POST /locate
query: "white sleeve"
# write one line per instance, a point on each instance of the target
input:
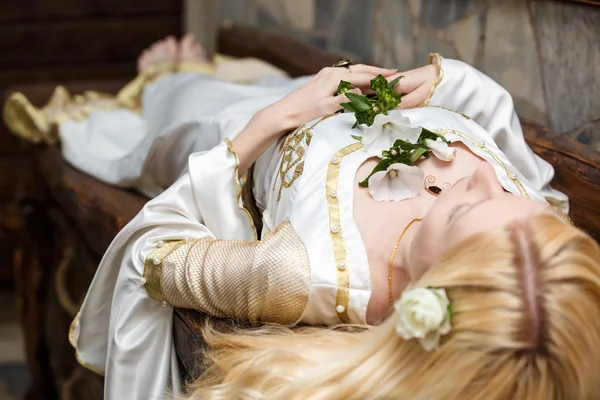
(464, 89)
(121, 331)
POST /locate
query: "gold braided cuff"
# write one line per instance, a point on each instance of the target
(437, 58)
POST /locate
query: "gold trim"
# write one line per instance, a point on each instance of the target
(509, 173)
(291, 145)
(554, 203)
(448, 109)
(337, 237)
(239, 186)
(196, 67)
(74, 344)
(153, 271)
(438, 58)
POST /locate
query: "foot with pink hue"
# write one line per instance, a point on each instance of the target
(191, 51)
(162, 52)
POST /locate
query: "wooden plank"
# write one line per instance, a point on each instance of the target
(577, 173)
(81, 42)
(99, 211)
(21, 11)
(55, 75)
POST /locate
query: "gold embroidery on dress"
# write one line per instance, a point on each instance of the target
(555, 204)
(239, 186)
(293, 150)
(449, 109)
(335, 230)
(510, 174)
(76, 347)
(438, 59)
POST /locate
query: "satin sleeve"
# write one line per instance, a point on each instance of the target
(266, 281)
(119, 324)
(463, 88)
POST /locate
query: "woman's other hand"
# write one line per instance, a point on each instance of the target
(416, 85)
(317, 97)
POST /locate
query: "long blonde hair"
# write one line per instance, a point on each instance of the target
(526, 325)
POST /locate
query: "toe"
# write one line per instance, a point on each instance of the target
(171, 48)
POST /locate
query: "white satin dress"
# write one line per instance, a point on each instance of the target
(194, 245)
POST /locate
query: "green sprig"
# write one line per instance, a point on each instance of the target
(365, 108)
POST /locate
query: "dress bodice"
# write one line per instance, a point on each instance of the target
(312, 184)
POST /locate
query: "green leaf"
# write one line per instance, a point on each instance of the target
(348, 106)
(406, 145)
(378, 83)
(381, 166)
(356, 137)
(392, 84)
(416, 154)
(343, 87)
(427, 134)
(360, 102)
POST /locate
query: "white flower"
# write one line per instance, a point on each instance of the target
(398, 182)
(386, 129)
(423, 313)
(441, 149)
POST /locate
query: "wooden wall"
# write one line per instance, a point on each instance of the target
(83, 43)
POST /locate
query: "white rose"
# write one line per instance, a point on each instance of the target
(423, 313)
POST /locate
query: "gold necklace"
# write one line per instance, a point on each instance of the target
(394, 255)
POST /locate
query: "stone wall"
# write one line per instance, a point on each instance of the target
(547, 54)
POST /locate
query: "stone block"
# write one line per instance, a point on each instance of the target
(325, 13)
(569, 38)
(511, 57)
(351, 30)
(430, 41)
(466, 36)
(441, 13)
(392, 40)
(298, 14)
(237, 10)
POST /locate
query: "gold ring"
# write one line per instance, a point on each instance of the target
(343, 63)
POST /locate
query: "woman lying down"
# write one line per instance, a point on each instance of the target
(420, 233)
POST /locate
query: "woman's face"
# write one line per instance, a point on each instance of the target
(475, 204)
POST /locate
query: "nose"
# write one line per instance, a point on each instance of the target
(484, 179)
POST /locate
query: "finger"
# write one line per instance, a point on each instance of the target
(408, 83)
(360, 80)
(416, 97)
(333, 104)
(370, 69)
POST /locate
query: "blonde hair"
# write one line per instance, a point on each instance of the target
(526, 325)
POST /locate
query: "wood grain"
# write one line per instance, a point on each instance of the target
(81, 42)
(19, 11)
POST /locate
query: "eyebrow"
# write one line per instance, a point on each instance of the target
(469, 206)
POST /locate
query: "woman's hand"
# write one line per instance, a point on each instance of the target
(317, 97)
(416, 85)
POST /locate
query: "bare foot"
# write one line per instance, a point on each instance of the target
(191, 50)
(161, 52)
